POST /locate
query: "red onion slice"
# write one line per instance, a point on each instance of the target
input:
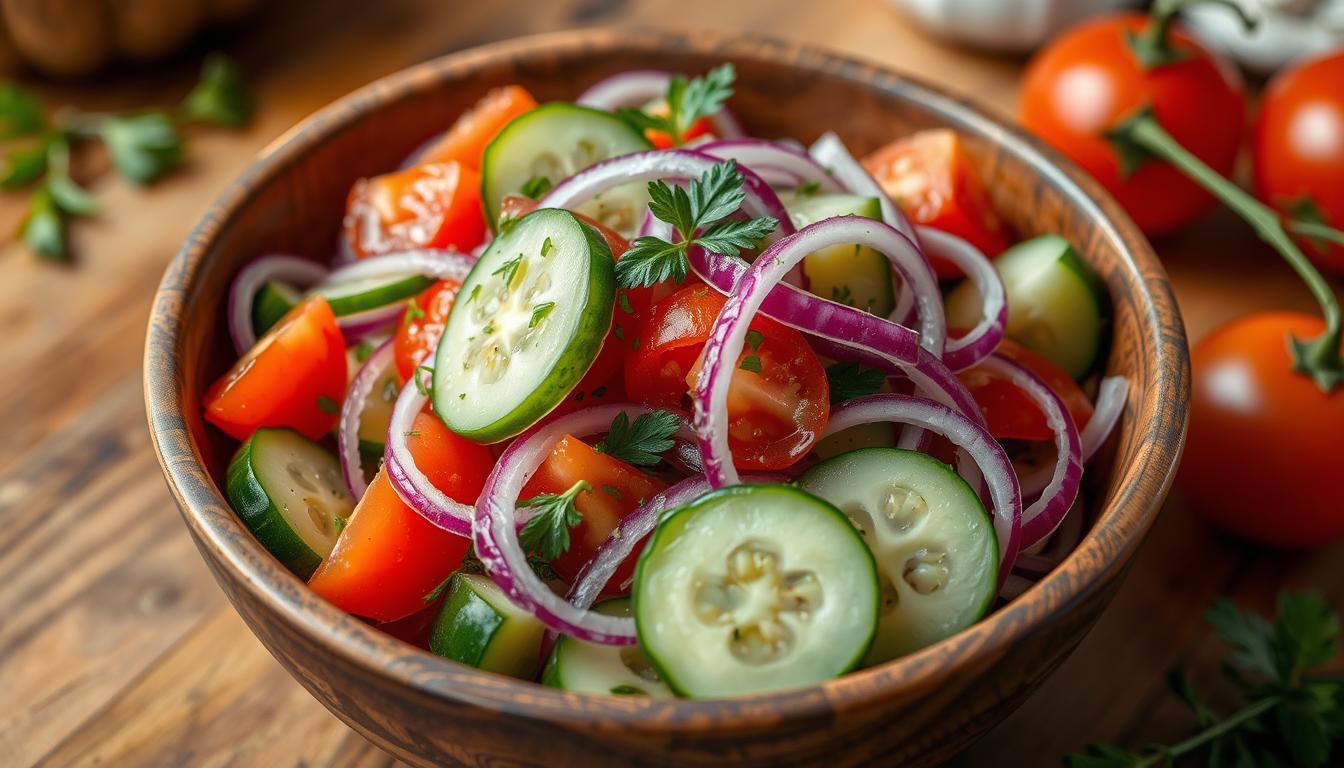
(1058, 546)
(831, 152)
(728, 334)
(974, 441)
(980, 341)
(497, 518)
(1015, 585)
(1106, 413)
(637, 87)
(407, 479)
(1041, 518)
(347, 435)
(301, 272)
(656, 165)
(361, 325)
(445, 264)
(779, 164)
(635, 528)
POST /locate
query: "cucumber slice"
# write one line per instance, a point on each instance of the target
(371, 293)
(556, 141)
(754, 588)
(1056, 303)
(934, 542)
(289, 492)
(618, 670)
(273, 302)
(528, 322)
(377, 415)
(480, 627)
(850, 274)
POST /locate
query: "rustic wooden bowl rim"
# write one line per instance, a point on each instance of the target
(207, 513)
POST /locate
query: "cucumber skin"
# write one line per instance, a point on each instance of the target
(350, 304)
(466, 642)
(489, 206)
(665, 524)
(248, 498)
(584, 345)
(268, 309)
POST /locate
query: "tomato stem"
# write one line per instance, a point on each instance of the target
(1141, 135)
(1153, 47)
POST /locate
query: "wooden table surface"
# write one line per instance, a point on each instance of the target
(117, 648)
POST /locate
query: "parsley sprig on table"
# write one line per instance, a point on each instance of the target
(1291, 718)
(642, 442)
(547, 532)
(687, 101)
(143, 146)
(697, 212)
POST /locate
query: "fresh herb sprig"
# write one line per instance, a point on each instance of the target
(1291, 717)
(686, 101)
(847, 381)
(699, 214)
(143, 145)
(640, 442)
(547, 532)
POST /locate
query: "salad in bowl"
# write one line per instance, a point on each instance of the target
(612, 396)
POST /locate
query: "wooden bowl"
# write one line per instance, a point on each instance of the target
(429, 711)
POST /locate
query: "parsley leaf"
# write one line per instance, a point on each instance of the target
(685, 102)
(535, 187)
(43, 228)
(698, 206)
(642, 442)
(327, 405)
(1290, 718)
(143, 147)
(850, 380)
(219, 98)
(547, 531)
(363, 349)
(20, 112)
(539, 313)
(22, 166)
(751, 363)
(807, 188)
(650, 261)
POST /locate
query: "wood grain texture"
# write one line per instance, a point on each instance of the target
(913, 711)
(102, 684)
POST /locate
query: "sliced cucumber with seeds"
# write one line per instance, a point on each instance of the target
(754, 588)
(936, 551)
(347, 298)
(289, 492)
(526, 325)
(619, 670)
(556, 141)
(273, 302)
(850, 274)
(480, 627)
(1056, 303)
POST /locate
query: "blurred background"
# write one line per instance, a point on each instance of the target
(115, 645)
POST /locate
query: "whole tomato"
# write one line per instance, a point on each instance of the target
(1263, 455)
(1096, 74)
(1298, 150)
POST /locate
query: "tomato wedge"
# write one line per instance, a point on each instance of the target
(929, 175)
(435, 205)
(294, 377)
(465, 142)
(389, 558)
(418, 333)
(617, 490)
(778, 401)
(1010, 412)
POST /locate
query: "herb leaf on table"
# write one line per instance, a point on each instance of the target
(1291, 717)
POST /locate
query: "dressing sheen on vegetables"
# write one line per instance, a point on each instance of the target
(617, 350)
